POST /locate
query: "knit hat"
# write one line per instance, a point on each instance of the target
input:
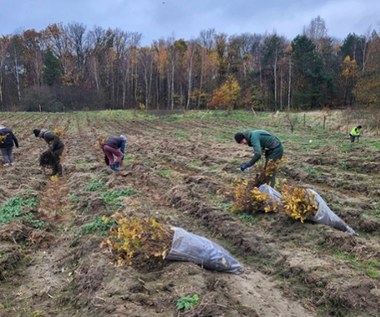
(239, 137)
(36, 132)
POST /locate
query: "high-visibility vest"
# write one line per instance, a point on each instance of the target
(355, 132)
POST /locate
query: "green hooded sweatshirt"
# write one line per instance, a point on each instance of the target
(260, 140)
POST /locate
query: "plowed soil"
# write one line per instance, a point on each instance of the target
(180, 170)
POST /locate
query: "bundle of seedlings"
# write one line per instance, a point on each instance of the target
(139, 242)
(3, 138)
(58, 131)
(248, 194)
(251, 200)
(100, 144)
(306, 204)
(144, 243)
(265, 173)
(298, 203)
(46, 159)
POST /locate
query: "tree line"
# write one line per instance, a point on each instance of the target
(67, 67)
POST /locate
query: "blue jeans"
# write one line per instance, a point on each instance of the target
(7, 153)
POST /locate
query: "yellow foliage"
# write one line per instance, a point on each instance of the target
(54, 178)
(350, 68)
(58, 131)
(101, 141)
(2, 138)
(142, 106)
(247, 196)
(226, 95)
(251, 199)
(137, 241)
(298, 203)
(263, 174)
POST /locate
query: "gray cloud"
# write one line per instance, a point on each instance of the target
(156, 19)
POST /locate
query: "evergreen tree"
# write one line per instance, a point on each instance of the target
(309, 74)
(52, 69)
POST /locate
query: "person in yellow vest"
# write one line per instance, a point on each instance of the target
(355, 133)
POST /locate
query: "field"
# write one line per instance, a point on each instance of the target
(180, 169)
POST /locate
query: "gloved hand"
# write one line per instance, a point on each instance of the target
(244, 166)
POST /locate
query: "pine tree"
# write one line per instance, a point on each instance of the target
(52, 69)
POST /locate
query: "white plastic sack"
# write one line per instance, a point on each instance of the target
(273, 194)
(326, 216)
(193, 248)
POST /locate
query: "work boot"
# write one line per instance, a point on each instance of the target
(115, 166)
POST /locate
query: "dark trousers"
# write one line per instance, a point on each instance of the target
(353, 137)
(56, 164)
(7, 153)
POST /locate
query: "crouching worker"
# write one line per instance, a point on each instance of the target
(114, 149)
(7, 139)
(52, 156)
(355, 134)
(261, 140)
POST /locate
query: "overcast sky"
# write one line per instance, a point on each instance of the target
(156, 19)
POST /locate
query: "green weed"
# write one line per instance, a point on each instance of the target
(111, 196)
(13, 208)
(187, 302)
(95, 186)
(98, 224)
(73, 198)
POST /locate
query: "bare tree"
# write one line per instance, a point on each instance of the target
(4, 43)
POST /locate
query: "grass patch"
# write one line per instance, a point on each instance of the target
(370, 267)
(164, 173)
(247, 218)
(94, 186)
(181, 135)
(312, 171)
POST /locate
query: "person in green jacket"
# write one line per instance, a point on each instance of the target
(260, 141)
(355, 133)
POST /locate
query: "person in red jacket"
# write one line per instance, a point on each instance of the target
(7, 140)
(114, 149)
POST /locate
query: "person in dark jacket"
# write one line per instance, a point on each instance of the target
(7, 140)
(56, 148)
(261, 141)
(114, 149)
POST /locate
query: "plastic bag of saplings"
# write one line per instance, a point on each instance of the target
(190, 247)
(326, 216)
(273, 194)
(272, 198)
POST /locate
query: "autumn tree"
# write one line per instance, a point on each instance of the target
(227, 95)
(350, 74)
(367, 90)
